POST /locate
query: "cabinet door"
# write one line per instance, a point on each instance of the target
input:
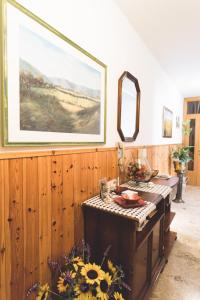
(157, 244)
(141, 265)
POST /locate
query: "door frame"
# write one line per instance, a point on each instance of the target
(193, 177)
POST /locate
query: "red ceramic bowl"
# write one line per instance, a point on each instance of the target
(132, 198)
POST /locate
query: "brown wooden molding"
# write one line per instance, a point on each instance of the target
(150, 146)
(11, 154)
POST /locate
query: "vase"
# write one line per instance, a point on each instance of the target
(139, 170)
(179, 166)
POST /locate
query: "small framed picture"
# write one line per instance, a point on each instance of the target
(103, 186)
(106, 188)
(177, 122)
(167, 122)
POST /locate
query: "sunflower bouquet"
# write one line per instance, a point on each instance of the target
(76, 277)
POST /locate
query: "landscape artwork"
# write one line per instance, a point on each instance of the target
(58, 93)
(167, 122)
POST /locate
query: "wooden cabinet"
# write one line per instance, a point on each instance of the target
(141, 253)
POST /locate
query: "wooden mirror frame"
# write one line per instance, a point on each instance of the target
(137, 118)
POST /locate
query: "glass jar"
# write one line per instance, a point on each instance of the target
(139, 170)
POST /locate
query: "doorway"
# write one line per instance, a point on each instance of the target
(192, 113)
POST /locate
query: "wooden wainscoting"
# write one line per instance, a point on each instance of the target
(40, 207)
(40, 214)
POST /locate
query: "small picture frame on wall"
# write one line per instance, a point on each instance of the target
(177, 122)
(167, 123)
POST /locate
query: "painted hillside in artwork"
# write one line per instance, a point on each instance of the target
(53, 103)
(56, 105)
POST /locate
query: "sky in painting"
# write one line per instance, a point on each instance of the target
(52, 61)
(167, 115)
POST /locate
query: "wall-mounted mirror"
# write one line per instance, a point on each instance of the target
(128, 107)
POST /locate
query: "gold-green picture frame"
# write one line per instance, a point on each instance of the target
(53, 91)
(167, 123)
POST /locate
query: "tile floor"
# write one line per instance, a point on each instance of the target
(180, 279)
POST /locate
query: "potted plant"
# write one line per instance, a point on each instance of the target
(181, 156)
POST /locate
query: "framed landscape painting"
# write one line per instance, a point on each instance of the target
(54, 91)
(167, 122)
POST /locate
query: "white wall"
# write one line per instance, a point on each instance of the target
(100, 27)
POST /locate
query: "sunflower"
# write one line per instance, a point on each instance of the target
(64, 281)
(77, 262)
(103, 288)
(111, 267)
(92, 273)
(83, 291)
(43, 292)
(86, 297)
(118, 296)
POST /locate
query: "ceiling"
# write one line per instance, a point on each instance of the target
(171, 30)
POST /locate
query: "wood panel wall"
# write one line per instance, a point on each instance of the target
(40, 207)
